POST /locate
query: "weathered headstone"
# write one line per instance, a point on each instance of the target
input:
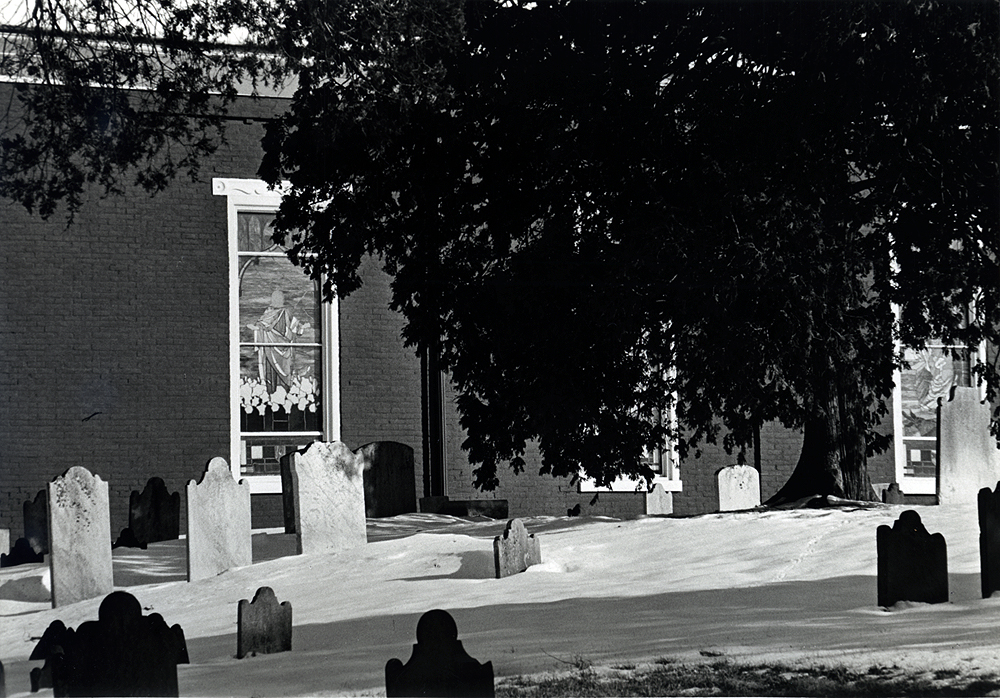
(390, 487)
(439, 665)
(122, 653)
(738, 487)
(989, 540)
(4, 540)
(912, 563)
(154, 514)
(20, 554)
(218, 522)
(263, 626)
(329, 498)
(659, 502)
(79, 537)
(967, 454)
(36, 523)
(893, 495)
(515, 551)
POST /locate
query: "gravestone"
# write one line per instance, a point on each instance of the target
(329, 498)
(79, 537)
(263, 626)
(20, 554)
(3, 682)
(912, 563)
(968, 458)
(4, 540)
(218, 522)
(390, 487)
(515, 551)
(439, 665)
(36, 523)
(893, 495)
(122, 653)
(989, 540)
(738, 487)
(154, 514)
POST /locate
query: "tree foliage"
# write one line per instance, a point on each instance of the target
(596, 212)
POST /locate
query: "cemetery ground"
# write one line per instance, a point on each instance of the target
(759, 602)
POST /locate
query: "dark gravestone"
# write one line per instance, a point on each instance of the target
(287, 492)
(123, 653)
(390, 487)
(155, 514)
(22, 553)
(3, 682)
(989, 540)
(893, 495)
(912, 563)
(439, 665)
(36, 522)
(263, 626)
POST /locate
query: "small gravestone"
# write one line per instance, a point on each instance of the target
(154, 514)
(329, 498)
(390, 487)
(989, 540)
(36, 523)
(439, 665)
(79, 537)
(4, 540)
(738, 487)
(263, 626)
(893, 495)
(21, 554)
(912, 563)
(122, 653)
(218, 522)
(515, 551)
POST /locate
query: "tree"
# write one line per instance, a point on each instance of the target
(589, 208)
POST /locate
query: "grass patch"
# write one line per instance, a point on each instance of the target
(727, 679)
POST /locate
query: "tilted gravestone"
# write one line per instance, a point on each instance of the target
(79, 537)
(154, 515)
(218, 522)
(36, 523)
(439, 665)
(390, 487)
(122, 653)
(20, 554)
(912, 563)
(329, 498)
(738, 487)
(263, 626)
(989, 540)
(516, 550)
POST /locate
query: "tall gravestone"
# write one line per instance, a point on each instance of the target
(912, 563)
(389, 479)
(968, 458)
(439, 665)
(79, 537)
(122, 653)
(738, 487)
(989, 540)
(36, 523)
(263, 626)
(329, 498)
(218, 522)
(154, 514)
(515, 550)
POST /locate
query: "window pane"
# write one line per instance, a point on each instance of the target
(254, 232)
(278, 302)
(280, 389)
(261, 455)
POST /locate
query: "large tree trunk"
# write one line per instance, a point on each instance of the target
(833, 460)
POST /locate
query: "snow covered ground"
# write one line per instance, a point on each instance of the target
(797, 586)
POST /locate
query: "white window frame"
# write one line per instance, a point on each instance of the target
(253, 195)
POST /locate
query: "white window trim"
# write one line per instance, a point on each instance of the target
(254, 195)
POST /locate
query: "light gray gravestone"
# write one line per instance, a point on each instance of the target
(79, 537)
(968, 458)
(329, 498)
(218, 522)
(739, 487)
(515, 551)
(263, 626)
(4, 540)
